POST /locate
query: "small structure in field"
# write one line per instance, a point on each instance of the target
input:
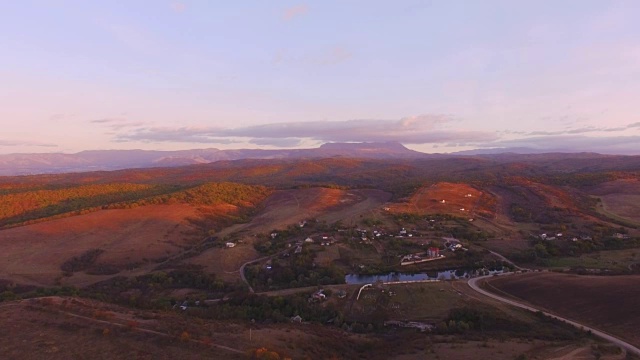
(433, 252)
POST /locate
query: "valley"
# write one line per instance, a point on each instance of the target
(267, 247)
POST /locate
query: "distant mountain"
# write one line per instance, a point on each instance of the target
(25, 164)
(519, 150)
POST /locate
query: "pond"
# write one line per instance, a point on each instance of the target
(429, 275)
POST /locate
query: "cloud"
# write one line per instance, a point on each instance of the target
(572, 143)
(281, 143)
(294, 12)
(12, 143)
(422, 129)
(178, 6)
(201, 135)
(583, 130)
(118, 123)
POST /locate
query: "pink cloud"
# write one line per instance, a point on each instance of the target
(295, 11)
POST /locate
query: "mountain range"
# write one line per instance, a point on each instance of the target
(106, 160)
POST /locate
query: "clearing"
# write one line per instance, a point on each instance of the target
(620, 200)
(459, 200)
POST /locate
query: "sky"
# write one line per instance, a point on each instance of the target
(436, 76)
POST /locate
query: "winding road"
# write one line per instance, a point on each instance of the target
(473, 283)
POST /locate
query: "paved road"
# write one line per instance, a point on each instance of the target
(503, 258)
(473, 283)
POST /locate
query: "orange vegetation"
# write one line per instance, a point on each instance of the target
(34, 253)
(448, 198)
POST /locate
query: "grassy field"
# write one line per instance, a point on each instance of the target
(607, 303)
(612, 259)
(620, 200)
(429, 302)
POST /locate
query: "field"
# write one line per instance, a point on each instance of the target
(70, 328)
(34, 254)
(65, 328)
(619, 260)
(421, 301)
(620, 200)
(459, 200)
(607, 303)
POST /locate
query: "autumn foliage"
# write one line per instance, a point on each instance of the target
(29, 206)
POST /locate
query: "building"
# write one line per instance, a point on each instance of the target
(433, 252)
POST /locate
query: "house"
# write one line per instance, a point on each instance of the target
(273, 235)
(318, 296)
(230, 244)
(433, 252)
(308, 240)
(296, 319)
(621, 236)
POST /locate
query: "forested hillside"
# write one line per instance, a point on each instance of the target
(27, 206)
